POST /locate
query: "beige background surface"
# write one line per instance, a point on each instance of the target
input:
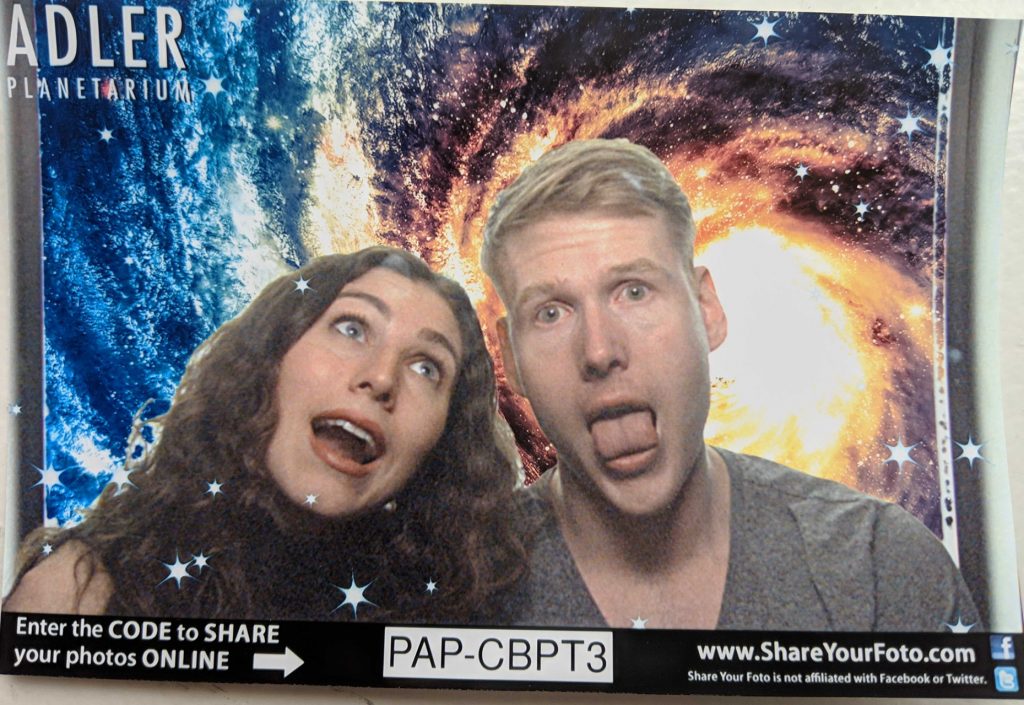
(44, 691)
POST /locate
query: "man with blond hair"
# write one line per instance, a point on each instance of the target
(608, 329)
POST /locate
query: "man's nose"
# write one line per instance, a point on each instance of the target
(603, 343)
(378, 378)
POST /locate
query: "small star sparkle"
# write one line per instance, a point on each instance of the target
(106, 135)
(302, 285)
(176, 571)
(959, 627)
(14, 409)
(120, 478)
(353, 596)
(47, 549)
(1012, 48)
(939, 56)
(48, 477)
(431, 586)
(802, 171)
(214, 488)
(909, 124)
(310, 499)
(201, 560)
(862, 209)
(214, 85)
(639, 623)
(765, 30)
(900, 453)
(970, 450)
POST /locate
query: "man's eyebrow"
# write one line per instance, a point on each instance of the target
(432, 336)
(374, 301)
(641, 265)
(534, 291)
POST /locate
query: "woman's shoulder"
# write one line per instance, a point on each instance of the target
(71, 581)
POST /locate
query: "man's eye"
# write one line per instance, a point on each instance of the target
(428, 369)
(549, 314)
(351, 328)
(636, 292)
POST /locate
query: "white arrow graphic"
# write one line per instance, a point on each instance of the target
(286, 662)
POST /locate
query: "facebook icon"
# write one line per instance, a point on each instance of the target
(1002, 647)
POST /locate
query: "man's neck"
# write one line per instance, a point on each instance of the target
(680, 552)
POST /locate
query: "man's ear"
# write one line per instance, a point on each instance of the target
(711, 309)
(508, 359)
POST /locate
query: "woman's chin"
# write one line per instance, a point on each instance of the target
(327, 512)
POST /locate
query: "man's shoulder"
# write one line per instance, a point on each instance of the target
(760, 476)
(875, 566)
(824, 507)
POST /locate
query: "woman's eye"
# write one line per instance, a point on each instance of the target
(428, 369)
(549, 314)
(635, 292)
(351, 328)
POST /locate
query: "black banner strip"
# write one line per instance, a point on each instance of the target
(639, 661)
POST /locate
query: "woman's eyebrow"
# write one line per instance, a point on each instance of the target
(433, 336)
(374, 301)
(427, 334)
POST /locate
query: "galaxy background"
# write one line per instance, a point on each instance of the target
(812, 148)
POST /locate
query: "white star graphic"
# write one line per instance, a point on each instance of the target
(431, 586)
(310, 499)
(120, 478)
(201, 560)
(48, 477)
(959, 627)
(353, 596)
(106, 135)
(939, 56)
(14, 409)
(900, 453)
(909, 124)
(214, 85)
(47, 549)
(765, 30)
(129, 260)
(302, 285)
(236, 15)
(970, 450)
(639, 623)
(176, 571)
(802, 171)
(862, 208)
(1012, 48)
(214, 488)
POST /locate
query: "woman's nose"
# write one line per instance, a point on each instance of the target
(378, 379)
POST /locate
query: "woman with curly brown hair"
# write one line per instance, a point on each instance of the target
(331, 453)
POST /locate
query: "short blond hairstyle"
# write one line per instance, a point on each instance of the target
(607, 176)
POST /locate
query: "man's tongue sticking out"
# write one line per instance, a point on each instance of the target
(624, 435)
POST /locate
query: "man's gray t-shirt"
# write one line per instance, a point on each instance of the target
(804, 554)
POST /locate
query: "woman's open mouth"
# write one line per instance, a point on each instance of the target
(346, 444)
